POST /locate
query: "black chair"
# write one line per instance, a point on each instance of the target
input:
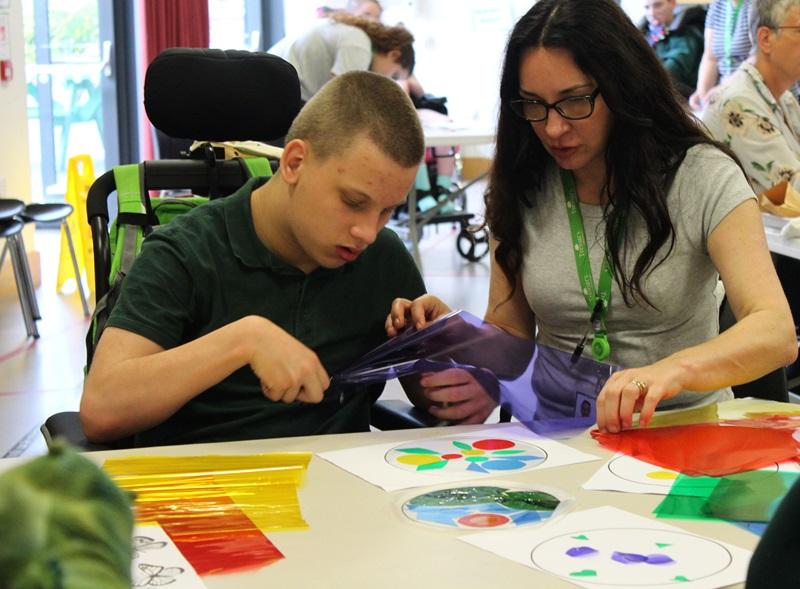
(11, 229)
(57, 213)
(772, 386)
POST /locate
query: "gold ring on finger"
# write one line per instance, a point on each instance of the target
(640, 384)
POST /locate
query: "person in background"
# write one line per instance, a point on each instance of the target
(235, 315)
(368, 9)
(727, 45)
(346, 43)
(677, 38)
(757, 114)
(754, 112)
(607, 200)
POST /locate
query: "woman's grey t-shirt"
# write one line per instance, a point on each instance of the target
(707, 187)
(324, 51)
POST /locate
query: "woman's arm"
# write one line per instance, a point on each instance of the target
(508, 311)
(762, 340)
(707, 75)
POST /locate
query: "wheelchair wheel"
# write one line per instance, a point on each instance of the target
(472, 245)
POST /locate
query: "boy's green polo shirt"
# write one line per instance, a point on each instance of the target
(208, 268)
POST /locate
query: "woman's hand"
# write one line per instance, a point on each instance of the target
(637, 389)
(455, 395)
(417, 313)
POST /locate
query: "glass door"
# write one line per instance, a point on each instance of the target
(71, 89)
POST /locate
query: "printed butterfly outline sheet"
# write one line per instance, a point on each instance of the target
(609, 547)
(473, 455)
(630, 475)
(158, 562)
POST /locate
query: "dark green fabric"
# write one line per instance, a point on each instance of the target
(65, 525)
(681, 48)
(680, 52)
(208, 268)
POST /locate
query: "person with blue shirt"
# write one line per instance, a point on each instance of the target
(727, 44)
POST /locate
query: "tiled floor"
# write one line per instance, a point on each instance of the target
(44, 377)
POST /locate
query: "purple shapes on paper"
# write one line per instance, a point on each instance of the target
(634, 558)
(659, 559)
(581, 551)
(628, 557)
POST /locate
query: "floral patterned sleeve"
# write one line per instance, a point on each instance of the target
(753, 131)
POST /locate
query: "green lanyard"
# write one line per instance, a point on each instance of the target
(597, 299)
(731, 16)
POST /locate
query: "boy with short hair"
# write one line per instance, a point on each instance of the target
(235, 315)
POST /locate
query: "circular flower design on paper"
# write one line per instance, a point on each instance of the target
(621, 557)
(481, 507)
(471, 455)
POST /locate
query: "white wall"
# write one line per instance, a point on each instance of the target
(14, 160)
(15, 179)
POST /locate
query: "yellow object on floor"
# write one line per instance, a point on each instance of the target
(80, 175)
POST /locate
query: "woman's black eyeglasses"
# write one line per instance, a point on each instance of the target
(573, 108)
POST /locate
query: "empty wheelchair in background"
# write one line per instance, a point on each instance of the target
(450, 207)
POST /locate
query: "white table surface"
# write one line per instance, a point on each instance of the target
(357, 539)
(455, 134)
(778, 244)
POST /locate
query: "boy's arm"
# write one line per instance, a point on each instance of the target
(135, 384)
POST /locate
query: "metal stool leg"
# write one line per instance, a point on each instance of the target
(19, 243)
(3, 255)
(77, 270)
(22, 287)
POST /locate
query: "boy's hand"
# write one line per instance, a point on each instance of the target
(418, 313)
(455, 395)
(288, 370)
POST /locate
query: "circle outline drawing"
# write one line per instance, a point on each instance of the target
(726, 552)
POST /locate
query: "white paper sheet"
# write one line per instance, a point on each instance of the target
(517, 450)
(630, 475)
(158, 562)
(609, 547)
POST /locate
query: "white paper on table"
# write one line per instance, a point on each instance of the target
(578, 548)
(631, 475)
(158, 562)
(375, 463)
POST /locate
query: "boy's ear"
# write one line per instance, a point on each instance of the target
(395, 55)
(294, 156)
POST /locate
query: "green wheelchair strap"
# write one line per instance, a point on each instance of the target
(257, 166)
(128, 179)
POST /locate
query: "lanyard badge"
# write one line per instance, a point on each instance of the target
(597, 299)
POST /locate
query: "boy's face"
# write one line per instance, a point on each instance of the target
(659, 12)
(338, 205)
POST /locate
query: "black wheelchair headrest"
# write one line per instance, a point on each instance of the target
(216, 95)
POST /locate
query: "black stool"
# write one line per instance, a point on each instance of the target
(50, 213)
(11, 230)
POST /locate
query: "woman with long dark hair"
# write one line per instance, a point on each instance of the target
(609, 206)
